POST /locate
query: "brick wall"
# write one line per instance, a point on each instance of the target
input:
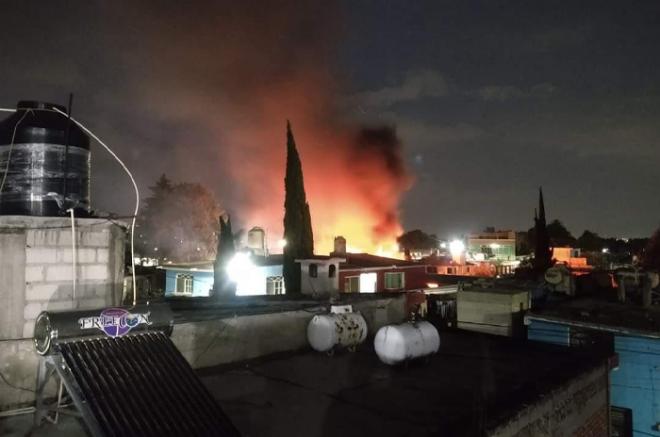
(36, 274)
(579, 407)
(596, 426)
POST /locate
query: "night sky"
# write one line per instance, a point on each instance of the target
(490, 99)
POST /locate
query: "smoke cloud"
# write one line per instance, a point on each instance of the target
(229, 75)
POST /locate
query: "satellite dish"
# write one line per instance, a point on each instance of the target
(554, 276)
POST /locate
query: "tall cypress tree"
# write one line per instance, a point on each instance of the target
(542, 251)
(297, 220)
(222, 286)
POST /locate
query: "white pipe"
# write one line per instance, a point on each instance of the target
(137, 196)
(17, 412)
(128, 172)
(74, 260)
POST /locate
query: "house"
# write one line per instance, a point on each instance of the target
(630, 330)
(320, 274)
(360, 273)
(570, 257)
(365, 273)
(496, 245)
(351, 273)
(448, 266)
(196, 279)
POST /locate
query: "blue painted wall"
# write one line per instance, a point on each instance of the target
(202, 282)
(635, 384)
(549, 333)
(249, 285)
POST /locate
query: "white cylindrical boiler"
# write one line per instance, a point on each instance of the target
(327, 331)
(395, 344)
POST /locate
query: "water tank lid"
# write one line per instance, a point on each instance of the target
(41, 126)
(34, 104)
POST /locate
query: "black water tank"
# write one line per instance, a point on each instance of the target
(35, 176)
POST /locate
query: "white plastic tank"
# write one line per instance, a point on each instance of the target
(395, 344)
(327, 331)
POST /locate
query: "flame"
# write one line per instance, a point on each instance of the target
(234, 74)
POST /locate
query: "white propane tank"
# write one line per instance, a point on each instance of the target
(326, 331)
(395, 344)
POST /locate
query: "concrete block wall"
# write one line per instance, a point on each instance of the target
(491, 311)
(579, 407)
(221, 341)
(36, 274)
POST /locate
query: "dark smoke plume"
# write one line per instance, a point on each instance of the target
(228, 75)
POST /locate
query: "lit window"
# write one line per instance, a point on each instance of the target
(394, 281)
(313, 270)
(184, 283)
(368, 282)
(332, 271)
(352, 284)
(274, 285)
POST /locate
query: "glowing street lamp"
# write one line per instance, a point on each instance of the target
(456, 248)
(240, 267)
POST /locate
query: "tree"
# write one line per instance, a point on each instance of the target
(222, 285)
(416, 240)
(590, 241)
(542, 252)
(559, 235)
(651, 256)
(297, 219)
(178, 222)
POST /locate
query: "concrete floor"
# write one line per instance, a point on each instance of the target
(19, 426)
(475, 381)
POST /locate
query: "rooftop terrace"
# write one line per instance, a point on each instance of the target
(603, 314)
(475, 382)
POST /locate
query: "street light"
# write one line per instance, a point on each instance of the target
(240, 267)
(456, 248)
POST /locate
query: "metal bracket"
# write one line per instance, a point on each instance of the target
(51, 366)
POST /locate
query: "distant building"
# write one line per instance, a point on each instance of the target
(570, 257)
(447, 266)
(365, 273)
(320, 275)
(495, 245)
(256, 241)
(350, 273)
(196, 279)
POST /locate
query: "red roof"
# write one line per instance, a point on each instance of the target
(365, 261)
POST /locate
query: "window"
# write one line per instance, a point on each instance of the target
(332, 271)
(274, 285)
(313, 270)
(450, 270)
(621, 420)
(184, 283)
(368, 282)
(352, 284)
(394, 281)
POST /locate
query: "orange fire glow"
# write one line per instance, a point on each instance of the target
(237, 74)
